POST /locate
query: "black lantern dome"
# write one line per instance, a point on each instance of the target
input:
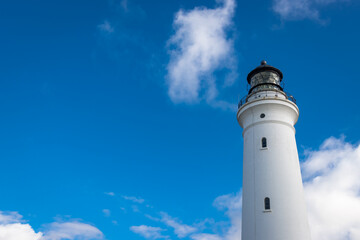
(264, 77)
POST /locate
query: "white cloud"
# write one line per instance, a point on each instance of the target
(331, 177)
(332, 188)
(10, 217)
(232, 205)
(110, 193)
(106, 212)
(180, 229)
(18, 231)
(133, 199)
(148, 231)
(124, 5)
(12, 228)
(199, 47)
(106, 27)
(152, 218)
(135, 208)
(205, 236)
(300, 9)
(72, 230)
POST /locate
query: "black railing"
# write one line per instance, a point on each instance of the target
(290, 97)
(245, 99)
(242, 101)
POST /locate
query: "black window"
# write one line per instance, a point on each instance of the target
(267, 203)
(263, 143)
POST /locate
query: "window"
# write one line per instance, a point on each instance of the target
(267, 203)
(263, 143)
(262, 115)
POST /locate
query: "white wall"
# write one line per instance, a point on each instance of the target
(273, 172)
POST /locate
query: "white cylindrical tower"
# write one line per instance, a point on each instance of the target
(273, 202)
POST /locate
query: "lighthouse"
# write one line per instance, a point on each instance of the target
(273, 200)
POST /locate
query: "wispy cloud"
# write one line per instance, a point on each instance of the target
(232, 205)
(110, 193)
(181, 230)
(332, 187)
(120, 34)
(133, 199)
(71, 230)
(10, 217)
(200, 47)
(106, 27)
(124, 5)
(300, 9)
(205, 236)
(106, 212)
(148, 232)
(13, 227)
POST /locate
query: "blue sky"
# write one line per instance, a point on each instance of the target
(118, 117)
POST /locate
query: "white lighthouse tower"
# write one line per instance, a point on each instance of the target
(273, 201)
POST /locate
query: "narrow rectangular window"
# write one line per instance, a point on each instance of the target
(267, 203)
(263, 143)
